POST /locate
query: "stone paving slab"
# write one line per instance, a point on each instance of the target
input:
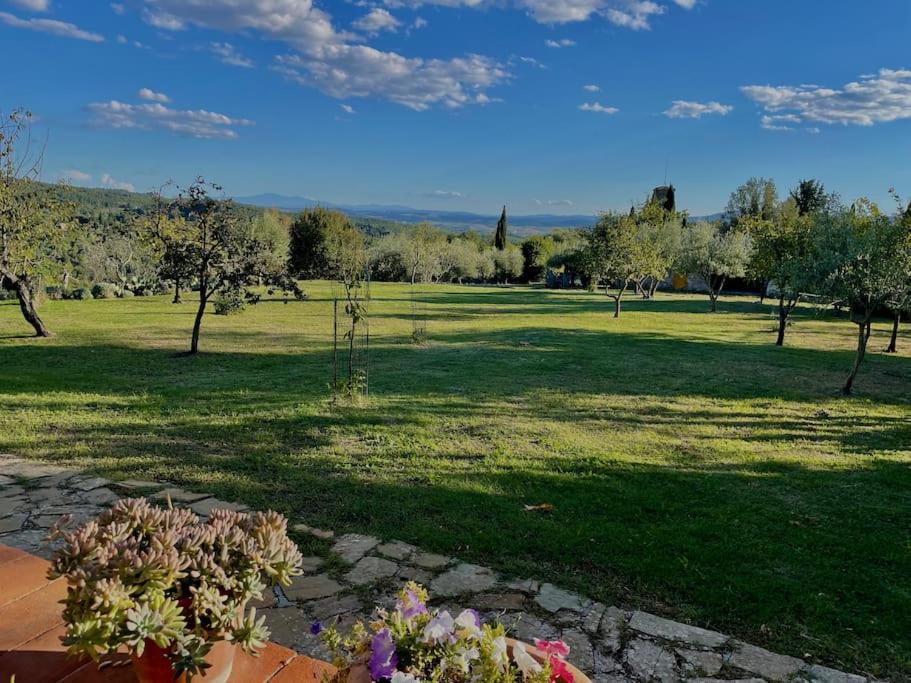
(608, 643)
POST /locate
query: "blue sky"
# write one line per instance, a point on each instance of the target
(549, 106)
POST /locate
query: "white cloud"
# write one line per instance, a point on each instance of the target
(73, 175)
(377, 20)
(52, 26)
(114, 184)
(228, 54)
(559, 202)
(347, 108)
(874, 98)
(333, 60)
(33, 5)
(685, 109)
(419, 22)
(591, 88)
(634, 14)
(197, 123)
(598, 108)
(152, 96)
(445, 194)
(557, 44)
(118, 8)
(345, 71)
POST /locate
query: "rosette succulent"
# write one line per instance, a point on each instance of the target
(412, 643)
(139, 574)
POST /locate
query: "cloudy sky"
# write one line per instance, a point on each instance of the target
(557, 106)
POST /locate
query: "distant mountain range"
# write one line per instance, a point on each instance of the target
(452, 220)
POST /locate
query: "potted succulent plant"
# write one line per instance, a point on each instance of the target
(171, 590)
(412, 643)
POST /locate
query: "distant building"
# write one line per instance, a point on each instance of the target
(665, 195)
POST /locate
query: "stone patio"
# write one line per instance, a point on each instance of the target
(612, 645)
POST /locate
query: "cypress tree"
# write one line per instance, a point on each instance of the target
(499, 240)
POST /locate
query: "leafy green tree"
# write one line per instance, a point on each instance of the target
(33, 225)
(307, 257)
(424, 257)
(612, 255)
(508, 263)
(810, 197)
(782, 256)
(757, 197)
(499, 240)
(535, 253)
(208, 239)
(900, 300)
(715, 254)
(658, 236)
(860, 255)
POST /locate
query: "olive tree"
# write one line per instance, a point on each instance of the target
(658, 235)
(860, 255)
(33, 224)
(781, 256)
(205, 237)
(715, 254)
(612, 255)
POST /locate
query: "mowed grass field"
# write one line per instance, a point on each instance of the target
(695, 469)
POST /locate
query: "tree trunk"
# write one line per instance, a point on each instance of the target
(715, 293)
(29, 312)
(194, 343)
(782, 322)
(868, 329)
(858, 359)
(617, 297)
(892, 348)
(177, 298)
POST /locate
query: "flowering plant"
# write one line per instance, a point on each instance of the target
(139, 574)
(412, 644)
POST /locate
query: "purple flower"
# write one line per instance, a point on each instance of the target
(316, 628)
(411, 606)
(383, 659)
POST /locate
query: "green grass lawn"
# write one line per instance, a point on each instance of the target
(696, 470)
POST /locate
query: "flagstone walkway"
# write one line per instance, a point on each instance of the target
(610, 644)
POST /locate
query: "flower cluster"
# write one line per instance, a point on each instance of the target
(139, 574)
(412, 643)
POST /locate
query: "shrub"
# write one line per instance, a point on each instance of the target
(104, 290)
(230, 303)
(55, 292)
(127, 294)
(82, 294)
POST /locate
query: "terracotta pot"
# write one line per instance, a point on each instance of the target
(155, 667)
(359, 674)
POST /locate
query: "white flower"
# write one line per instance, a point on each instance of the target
(464, 658)
(467, 622)
(526, 663)
(402, 677)
(498, 653)
(439, 628)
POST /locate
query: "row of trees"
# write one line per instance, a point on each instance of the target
(855, 257)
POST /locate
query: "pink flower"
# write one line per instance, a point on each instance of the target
(559, 671)
(552, 647)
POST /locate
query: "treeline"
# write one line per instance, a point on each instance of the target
(424, 253)
(856, 257)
